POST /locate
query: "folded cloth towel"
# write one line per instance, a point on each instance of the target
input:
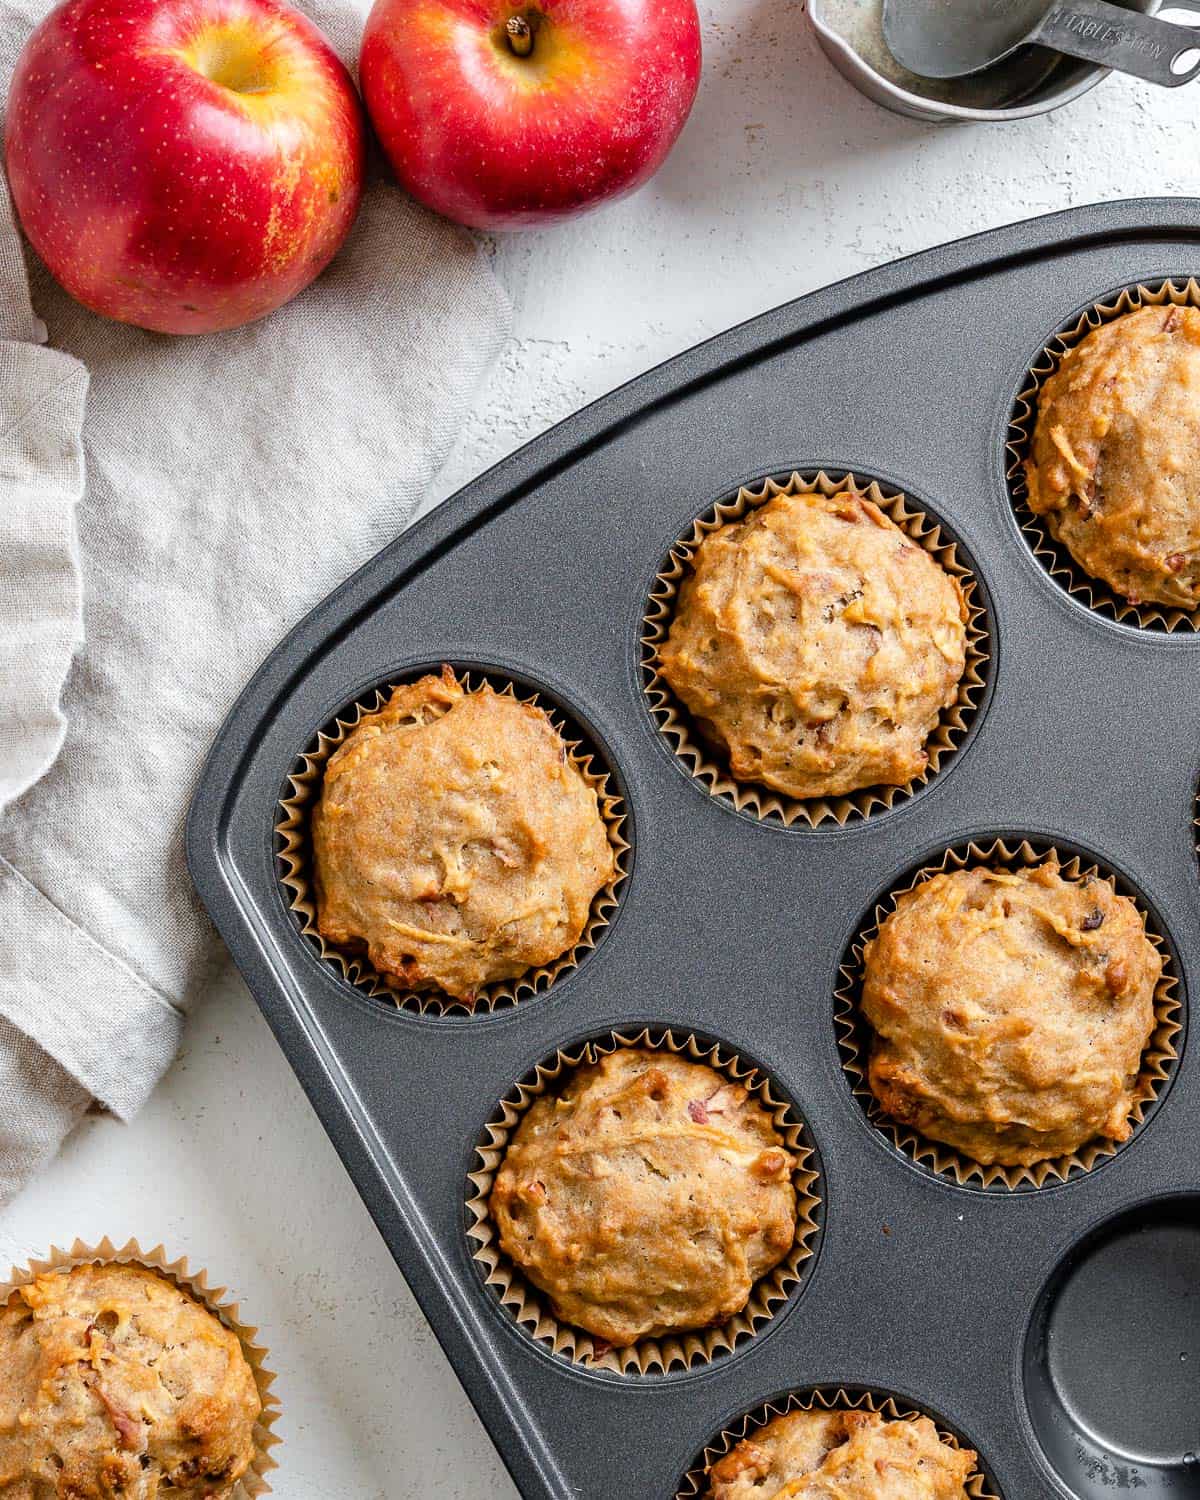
(231, 481)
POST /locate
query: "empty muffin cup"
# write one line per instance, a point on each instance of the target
(194, 1284)
(1121, 1298)
(1052, 554)
(854, 1032)
(679, 1350)
(704, 758)
(295, 854)
(695, 1484)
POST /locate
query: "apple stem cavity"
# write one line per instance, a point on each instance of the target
(519, 35)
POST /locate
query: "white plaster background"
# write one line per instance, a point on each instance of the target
(784, 180)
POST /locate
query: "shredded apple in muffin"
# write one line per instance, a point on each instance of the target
(843, 1455)
(648, 1196)
(1010, 1011)
(1114, 463)
(114, 1382)
(455, 840)
(816, 646)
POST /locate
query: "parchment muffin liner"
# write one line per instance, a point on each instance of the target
(695, 1485)
(530, 1309)
(703, 760)
(854, 1032)
(1196, 822)
(1053, 556)
(294, 850)
(196, 1284)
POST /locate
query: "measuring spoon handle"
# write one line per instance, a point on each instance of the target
(1124, 39)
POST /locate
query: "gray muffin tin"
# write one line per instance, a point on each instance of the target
(1058, 1330)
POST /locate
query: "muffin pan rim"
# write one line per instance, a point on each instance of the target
(229, 852)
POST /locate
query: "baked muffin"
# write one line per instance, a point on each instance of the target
(843, 1455)
(114, 1382)
(1010, 1010)
(816, 646)
(647, 1198)
(1114, 463)
(455, 840)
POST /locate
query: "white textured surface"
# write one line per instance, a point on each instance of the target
(784, 180)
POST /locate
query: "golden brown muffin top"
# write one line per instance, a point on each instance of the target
(455, 839)
(843, 1455)
(1010, 1009)
(115, 1383)
(817, 646)
(648, 1196)
(1114, 464)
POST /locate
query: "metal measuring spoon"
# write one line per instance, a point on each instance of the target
(953, 38)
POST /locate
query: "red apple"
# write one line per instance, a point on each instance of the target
(185, 165)
(503, 115)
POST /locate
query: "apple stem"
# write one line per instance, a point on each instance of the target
(520, 35)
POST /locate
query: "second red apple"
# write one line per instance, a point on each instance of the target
(504, 117)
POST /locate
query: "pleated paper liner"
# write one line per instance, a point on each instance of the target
(704, 761)
(1196, 822)
(695, 1483)
(854, 1031)
(294, 848)
(195, 1283)
(1052, 555)
(530, 1309)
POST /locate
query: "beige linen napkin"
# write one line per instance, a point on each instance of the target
(231, 481)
